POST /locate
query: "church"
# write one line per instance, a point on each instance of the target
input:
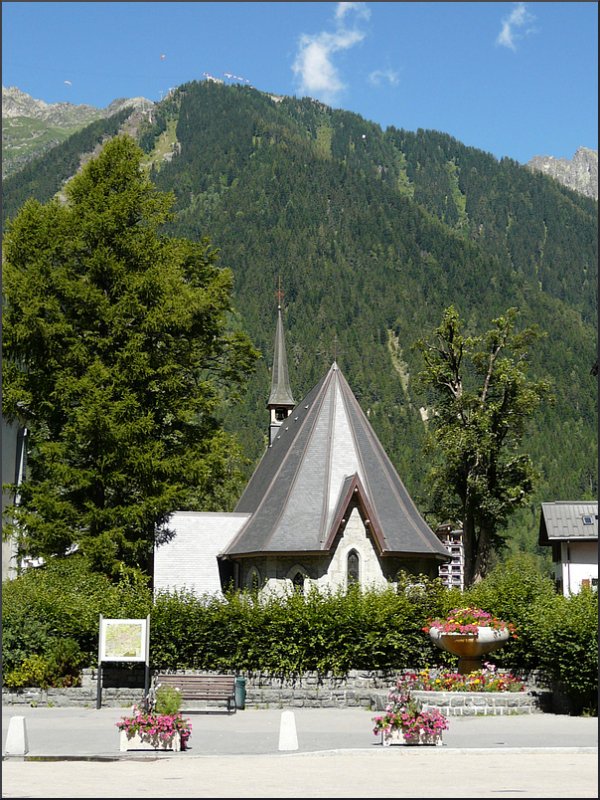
(324, 508)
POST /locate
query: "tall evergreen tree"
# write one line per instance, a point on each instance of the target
(481, 401)
(119, 353)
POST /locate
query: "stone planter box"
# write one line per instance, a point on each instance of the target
(397, 738)
(145, 742)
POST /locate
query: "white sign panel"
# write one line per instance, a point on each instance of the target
(123, 640)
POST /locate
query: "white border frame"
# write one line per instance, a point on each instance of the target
(144, 640)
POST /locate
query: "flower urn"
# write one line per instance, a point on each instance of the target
(470, 647)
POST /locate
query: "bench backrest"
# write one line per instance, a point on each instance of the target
(200, 685)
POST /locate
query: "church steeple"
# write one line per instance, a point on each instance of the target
(281, 402)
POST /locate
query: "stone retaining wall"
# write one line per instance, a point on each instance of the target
(361, 689)
(463, 704)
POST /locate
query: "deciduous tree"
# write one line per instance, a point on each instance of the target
(479, 403)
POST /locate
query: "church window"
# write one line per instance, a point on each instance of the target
(280, 414)
(298, 582)
(353, 567)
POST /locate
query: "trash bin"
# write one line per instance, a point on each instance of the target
(240, 692)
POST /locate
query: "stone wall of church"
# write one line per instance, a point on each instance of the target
(275, 574)
(354, 537)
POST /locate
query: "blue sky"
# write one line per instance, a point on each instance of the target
(513, 79)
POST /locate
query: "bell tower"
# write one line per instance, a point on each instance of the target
(281, 402)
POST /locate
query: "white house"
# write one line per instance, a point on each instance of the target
(571, 529)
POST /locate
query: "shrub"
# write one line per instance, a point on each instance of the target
(512, 591)
(50, 626)
(565, 640)
(167, 700)
(33, 671)
(62, 601)
(65, 660)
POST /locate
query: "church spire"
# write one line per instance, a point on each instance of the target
(280, 402)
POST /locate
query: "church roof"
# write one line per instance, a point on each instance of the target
(281, 393)
(324, 455)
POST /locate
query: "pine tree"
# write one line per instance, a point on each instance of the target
(119, 355)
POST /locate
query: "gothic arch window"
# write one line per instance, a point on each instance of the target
(253, 579)
(297, 575)
(298, 582)
(352, 568)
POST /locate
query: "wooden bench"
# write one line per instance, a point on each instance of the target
(201, 687)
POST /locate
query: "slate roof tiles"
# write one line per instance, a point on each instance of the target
(325, 446)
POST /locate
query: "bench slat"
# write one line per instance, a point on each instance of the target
(201, 687)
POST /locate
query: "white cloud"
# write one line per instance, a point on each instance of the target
(314, 68)
(512, 25)
(378, 76)
(361, 10)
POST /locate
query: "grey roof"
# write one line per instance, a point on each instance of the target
(563, 520)
(325, 452)
(281, 394)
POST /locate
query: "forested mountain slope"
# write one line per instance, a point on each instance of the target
(373, 233)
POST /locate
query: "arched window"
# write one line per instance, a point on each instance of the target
(352, 567)
(298, 583)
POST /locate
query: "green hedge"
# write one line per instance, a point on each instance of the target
(50, 627)
(50, 619)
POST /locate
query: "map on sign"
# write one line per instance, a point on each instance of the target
(123, 639)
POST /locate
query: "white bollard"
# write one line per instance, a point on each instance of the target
(288, 739)
(16, 738)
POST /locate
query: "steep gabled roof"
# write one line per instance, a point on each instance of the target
(281, 393)
(325, 456)
(561, 521)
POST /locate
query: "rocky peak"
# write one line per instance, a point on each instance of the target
(579, 173)
(16, 103)
(30, 127)
(137, 103)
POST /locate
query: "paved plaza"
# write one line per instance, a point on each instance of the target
(74, 752)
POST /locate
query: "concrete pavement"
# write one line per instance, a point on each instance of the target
(245, 755)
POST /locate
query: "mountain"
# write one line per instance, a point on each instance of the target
(373, 233)
(31, 127)
(579, 173)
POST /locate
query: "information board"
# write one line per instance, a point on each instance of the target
(123, 640)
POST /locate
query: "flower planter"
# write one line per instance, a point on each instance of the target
(395, 737)
(145, 730)
(147, 742)
(470, 647)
